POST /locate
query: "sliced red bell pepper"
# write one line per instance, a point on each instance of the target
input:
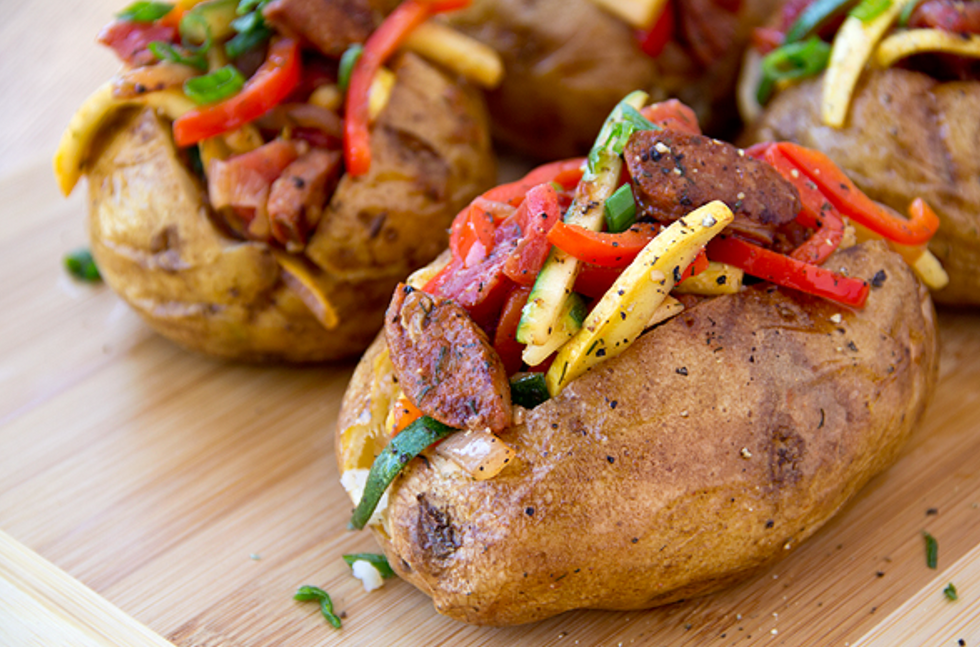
(674, 115)
(602, 248)
(565, 173)
(270, 84)
(653, 40)
(471, 235)
(379, 47)
(854, 204)
(817, 212)
(505, 338)
(788, 272)
(536, 216)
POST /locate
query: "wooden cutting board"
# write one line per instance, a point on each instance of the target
(145, 490)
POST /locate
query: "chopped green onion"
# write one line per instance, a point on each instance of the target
(145, 11)
(528, 389)
(903, 18)
(244, 41)
(82, 266)
(792, 61)
(950, 593)
(246, 6)
(868, 10)
(380, 562)
(932, 550)
(347, 62)
(164, 51)
(248, 22)
(316, 594)
(214, 87)
(408, 444)
(617, 133)
(620, 209)
(815, 17)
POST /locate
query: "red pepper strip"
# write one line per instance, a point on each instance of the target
(851, 202)
(565, 173)
(505, 338)
(674, 115)
(789, 272)
(601, 248)
(817, 213)
(698, 265)
(594, 281)
(471, 236)
(497, 211)
(379, 47)
(536, 216)
(273, 81)
(653, 41)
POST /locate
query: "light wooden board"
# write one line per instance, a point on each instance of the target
(196, 496)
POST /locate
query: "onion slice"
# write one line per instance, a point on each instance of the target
(480, 453)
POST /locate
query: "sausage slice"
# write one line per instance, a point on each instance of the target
(444, 362)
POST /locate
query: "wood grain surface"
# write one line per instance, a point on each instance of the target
(195, 496)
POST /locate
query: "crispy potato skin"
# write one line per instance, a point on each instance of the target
(567, 63)
(907, 136)
(720, 440)
(154, 240)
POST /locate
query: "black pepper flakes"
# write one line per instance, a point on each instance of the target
(878, 279)
(682, 371)
(611, 459)
(529, 511)
(613, 404)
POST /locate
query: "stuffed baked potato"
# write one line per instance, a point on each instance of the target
(567, 62)
(667, 446)
(255, 241)
(909, 128)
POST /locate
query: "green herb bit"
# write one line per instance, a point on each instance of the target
(790, 62)
(213, 87)
(932, 550)
(347, 62)
(145, 11)
(316, 594)
(246, 6)
(528, 389)
(620, 209)
(408, 444)
(815, 17)
(868, 10)
(245, 41)
(950, 593)
(164, 51)
(380, 562)
(82, 266)
(903, 18)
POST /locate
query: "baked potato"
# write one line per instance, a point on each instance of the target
(688, 434)
(567, 63)
(257, 243)
(908, 130)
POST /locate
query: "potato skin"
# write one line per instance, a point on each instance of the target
(720, 440)
(907, 136)
(156, 245)
(568, 62)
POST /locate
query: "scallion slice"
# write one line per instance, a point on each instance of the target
(316, 594)
(214, 87)
(932, 550)
(380, 562)
(145, 11)
(792, 61)
(950, 593)
(347, 62)
(868, 10)
(816, 16)
(903, 18)
(408, 444)
(82, 266)
(620, 209)
(167, 52)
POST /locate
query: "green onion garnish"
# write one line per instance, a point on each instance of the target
(380, 562)
(251, 27)
(408, 444)
(347, 62)
(214, 87)
(932, 550)
(164, 51)
(82, 266)
(903, 18)
(244, 41)
(528, 389)
(145, 11)
(868, 10)
(620, 209)
(316, 594)
(792, 61)
(815, 17)
(950, 593)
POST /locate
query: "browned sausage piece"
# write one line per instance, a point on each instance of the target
(331, 26)
(675, 172)
(297, 197)
(444, 362)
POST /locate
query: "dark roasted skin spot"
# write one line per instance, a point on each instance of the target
(437, 535)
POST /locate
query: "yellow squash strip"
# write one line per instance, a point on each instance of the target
(916, 41)
(464, 55)
(327, 96)
(628, 306)
(96, 110)
(853, 46)
(301, 278)
(670, 307)
(380, 92)
(638, 13)
(718, 279)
